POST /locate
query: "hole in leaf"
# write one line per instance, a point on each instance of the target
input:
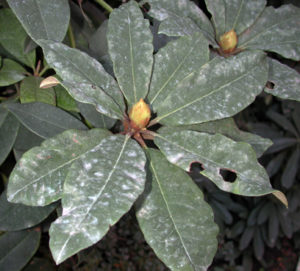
(146, 7)
(270, 85)
(196, 167)
(228, 175)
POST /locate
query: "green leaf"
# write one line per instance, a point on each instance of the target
(43, 19)
(176, 221)
(237, 14)
(43, 119)
(217, 152)
(173, 63)
(9, 127)
(30, 91)
(91, 84)
(214, 92)
(286, 81)
(13, 37)
(98, 41)
(38, 178)
(132, 60)
(290, 171)
(97, 119)
(64, 100)
(276, 30)
(11, 72)
(17, 248)
(99, 189)
(172, 11)
(227, 127)
(246, 238)
(14, 217)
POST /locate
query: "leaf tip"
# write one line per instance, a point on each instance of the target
(279, 195)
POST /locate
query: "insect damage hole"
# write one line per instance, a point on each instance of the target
(228, 175)
(196, 167)
(270, 85)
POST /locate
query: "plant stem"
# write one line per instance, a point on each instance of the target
(44, 70)
(71, 36)
(106, 6)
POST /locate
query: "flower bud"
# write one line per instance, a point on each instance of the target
(228, 41)
(140, 114)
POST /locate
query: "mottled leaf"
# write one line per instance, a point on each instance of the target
(14, 217)
(68, 64)
(130, 48)
(173, 63)
(17, 248)
(173, 11)
(97, 119)
(99, 189)
(234, 14)
(176, 221)
(64, 100)
(30, 91)
(9, 127)
(38, 178)
(276, 30)
(43, 19)
(214, 92)
(13, 37)
(285, 79)
(11, 72)
(43, 119)
(217, 152)
(228, 128)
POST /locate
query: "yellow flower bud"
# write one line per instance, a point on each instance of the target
(140, 114)
(228, 41)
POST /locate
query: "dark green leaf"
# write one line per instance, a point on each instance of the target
(258, 245)
(64, 100)
(237, 229)
(43, 19)
(273, 226)
(98, 41)
(39, 176)
(237, 15)
(173, 63)
(133, 59)
(276, 30)
(177, 10)
(291, 168)
(286, 81)
(43, 119)
(252, 218)
(14, 217)
(216, 152)
(9, 127)
(246, 238)
(30, 91)
(296, 119)
(91, 84)
(285, 222)
(13, 37)
(17, 248)
(11, 72)
(94, 117)
(275, 164)
(222, 211)
(264, 213)
(280, 144)
(228, 128)
(100, 187)
(214, 92)
(177, 223)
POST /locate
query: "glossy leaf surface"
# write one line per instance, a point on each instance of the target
(43, 19)
(285, 79)
(214, 92)
(11, 72)
(100, 188)
(217, 152)
(227, 127)
(89, 85)
(14, 217)
(132, 61)
(17, 248)
(234, 14)
(9, 127)
(30, 91)
(176, 221)
(38, 177)
(173, 63)
(43, 119)
(276, 30)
